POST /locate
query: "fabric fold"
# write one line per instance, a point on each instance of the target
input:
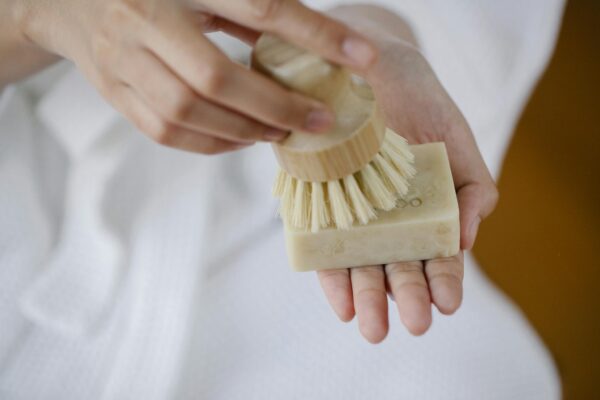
(75, 288)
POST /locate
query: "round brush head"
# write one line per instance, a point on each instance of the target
(338, 177)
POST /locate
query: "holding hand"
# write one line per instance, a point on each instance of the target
(416, 106)
(151, 60)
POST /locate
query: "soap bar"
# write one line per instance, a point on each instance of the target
(425, 225)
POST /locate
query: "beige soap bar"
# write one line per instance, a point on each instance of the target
(424, 226)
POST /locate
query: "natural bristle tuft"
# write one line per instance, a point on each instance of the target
(319, 210)
(391, 177)
(279, 185)
(396, 149)
(286, 204)
(301, 210)
(361, 207)
(340, 209)
(339, 203)
(375, 189)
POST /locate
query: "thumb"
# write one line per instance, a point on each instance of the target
(475, 201)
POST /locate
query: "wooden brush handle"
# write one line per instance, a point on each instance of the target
(359, 129)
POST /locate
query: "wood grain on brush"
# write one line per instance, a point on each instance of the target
(359, 129)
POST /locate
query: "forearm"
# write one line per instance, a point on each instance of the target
(19, 57)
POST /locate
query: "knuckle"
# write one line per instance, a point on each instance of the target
(137, 6)
(213, 147)
(212, 150)
(370, 269)
(181, 106)
(415, 289)
(141, 125)
(494, 195)
(291, 113)
(107, 39)
(164, 133)
(332, 275)
(118, 13)
(266, 10)
(126, 10)
(214, 79)
(106, 87)
(124, 15)
(370, 291)
(446, 266)
(248, 131)
(415, 266)
(102, 48)
(322, 29)
(446, 277)
(373, 271)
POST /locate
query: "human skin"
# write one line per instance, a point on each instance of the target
(151, 61)
(416, 105)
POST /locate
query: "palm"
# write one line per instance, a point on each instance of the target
(417, 107)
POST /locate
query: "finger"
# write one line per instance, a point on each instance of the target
(338, 290)
(370, 302)
(195, 142)
(213, 23)
(444, 277)
(475, 201)
(126, 100)
(411, 294)
(211, 74)
(296, 23)
(476, 190)
(248, 36)
(168, 96)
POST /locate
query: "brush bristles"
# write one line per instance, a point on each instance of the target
(286, 205)
(338, 203)
(301, 211)
(362, 208)
(375, 188)
(318, 208)
(392, 179)
(340, 209)
(279, 185)
(396, 150)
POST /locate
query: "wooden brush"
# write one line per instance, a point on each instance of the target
(345, 175)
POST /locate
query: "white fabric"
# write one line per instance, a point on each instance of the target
(133, 271)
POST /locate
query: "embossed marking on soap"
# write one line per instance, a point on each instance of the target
(331, 249)
(413, 202)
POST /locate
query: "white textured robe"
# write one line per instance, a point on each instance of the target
(133, 271)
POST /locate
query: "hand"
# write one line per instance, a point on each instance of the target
(151, 60)
(417, 106)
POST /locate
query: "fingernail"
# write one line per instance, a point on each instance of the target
(359, 51)
(318, 120)
(473, 230)
(275, 135)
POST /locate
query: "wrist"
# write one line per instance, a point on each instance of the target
(16, 15)
(20, 56)
(34, 24)
(24, 19)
